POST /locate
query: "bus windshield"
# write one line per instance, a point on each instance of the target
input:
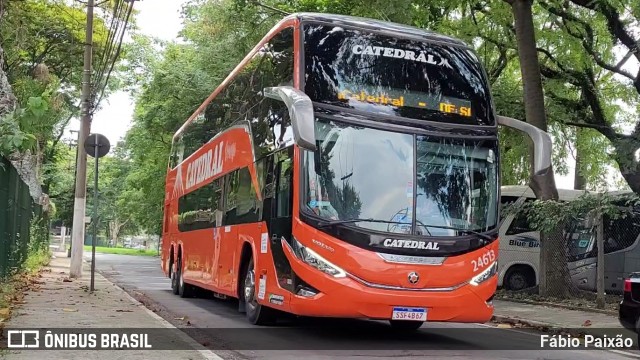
(365, 173)
(392, 76)
(581, 240)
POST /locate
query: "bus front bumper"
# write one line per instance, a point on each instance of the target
(348, 297)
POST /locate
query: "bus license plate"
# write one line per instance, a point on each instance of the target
(415, 314)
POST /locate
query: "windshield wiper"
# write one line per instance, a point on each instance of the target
(348, 221)
(484, 236)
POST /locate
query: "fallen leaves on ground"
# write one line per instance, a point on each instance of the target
(587, 323)
(69, 310)
(122, 310)
(504, 326)
(67, 280)
(180, 318)
(4, 312)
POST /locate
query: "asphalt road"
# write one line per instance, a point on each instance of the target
(218, 325)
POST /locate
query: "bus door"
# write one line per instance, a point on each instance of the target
(280, 219)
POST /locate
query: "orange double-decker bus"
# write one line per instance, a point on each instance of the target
(345, 168)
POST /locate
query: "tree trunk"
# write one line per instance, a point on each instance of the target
(554, 273)
(625, 156)
(579, 180)
(115, 226)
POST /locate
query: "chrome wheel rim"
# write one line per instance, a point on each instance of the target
(249, 286)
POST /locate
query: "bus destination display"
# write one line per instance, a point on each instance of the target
(398, 98)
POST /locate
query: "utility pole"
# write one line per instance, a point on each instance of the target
(75, 177)
(79, 204)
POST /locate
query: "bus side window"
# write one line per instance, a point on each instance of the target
(247, 205)
(267, 186)
(231, 198)
(620, 234)
(285, 182)
(217, 202)
(519, 225)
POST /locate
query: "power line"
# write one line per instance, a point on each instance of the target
(116, 55)
(109, 42)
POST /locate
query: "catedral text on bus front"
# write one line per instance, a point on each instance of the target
(345, 168)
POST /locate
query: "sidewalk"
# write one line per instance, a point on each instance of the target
(554, 318)
(63, 304)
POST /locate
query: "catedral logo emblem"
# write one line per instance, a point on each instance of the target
(411, 244)
(400, 54)
(204, 167)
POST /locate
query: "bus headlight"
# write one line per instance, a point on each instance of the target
(484, 275)
(314, 259)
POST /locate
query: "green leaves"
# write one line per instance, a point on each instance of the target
(37, 106)
(548, 215)
(12, 139)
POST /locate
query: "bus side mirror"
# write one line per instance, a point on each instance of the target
(541, 141)
(301, 113)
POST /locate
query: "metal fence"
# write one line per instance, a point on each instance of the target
(17, 210)
(586, 267)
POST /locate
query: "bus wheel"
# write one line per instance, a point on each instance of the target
(256, 313)
(174, 279)
(185, 290)
(405, 325)
(517, 278)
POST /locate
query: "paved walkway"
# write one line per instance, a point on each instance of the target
(557, 318)
(63, 304)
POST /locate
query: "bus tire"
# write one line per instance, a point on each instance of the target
(174, 279)
(256, 313)
(405, 325)
(518, 278)
(184, 290)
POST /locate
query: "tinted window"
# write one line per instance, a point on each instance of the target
(394, 76)
(520, 224)
(197, 209)
(284, 188)
(177, 152)
(230, 197)
(621, 233)
(242, 204)
(242, 99)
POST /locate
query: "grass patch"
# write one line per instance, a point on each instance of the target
(13, 287)
(122, 251)
(36, 261)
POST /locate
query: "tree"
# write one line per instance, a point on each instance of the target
(43, 42)
(552, 243)
(598, 27)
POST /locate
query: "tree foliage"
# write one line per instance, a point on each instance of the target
(43, 42)
(171, 80)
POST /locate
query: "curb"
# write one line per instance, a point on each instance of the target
(204, 352)
(561, 306)
(551, 328)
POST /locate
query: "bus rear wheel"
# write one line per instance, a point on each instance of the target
(256, 313)
(184, 290)
(405, 325)
(174, 278)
